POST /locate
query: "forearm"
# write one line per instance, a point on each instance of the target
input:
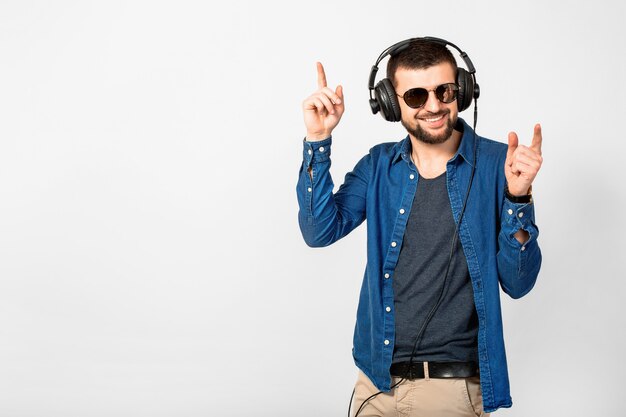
(519, 256)
(521, 236)
(324, 216)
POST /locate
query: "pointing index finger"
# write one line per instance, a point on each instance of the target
(537, 139)
(321, 76)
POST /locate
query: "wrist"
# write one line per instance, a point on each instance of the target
(516, 197)
(316, 137)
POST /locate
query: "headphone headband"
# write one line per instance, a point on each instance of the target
(400, 46)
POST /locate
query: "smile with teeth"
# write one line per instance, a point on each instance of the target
(434, 119)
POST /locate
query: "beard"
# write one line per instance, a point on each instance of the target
(426, 137)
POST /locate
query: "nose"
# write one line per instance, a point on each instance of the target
(432, 104)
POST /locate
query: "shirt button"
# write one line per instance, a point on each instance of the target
(521, 215)
(309, 189)
(510, 211)
(393, 244)
(386, 342)
(412, 176)
(401, 211)
(523, 248)
(310, 152)
(388, 309)
(386, 275)
(321, 149)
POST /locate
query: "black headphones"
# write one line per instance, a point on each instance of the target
(383, 97)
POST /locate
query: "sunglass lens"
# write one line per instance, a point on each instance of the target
(446, 93)
(416, 97)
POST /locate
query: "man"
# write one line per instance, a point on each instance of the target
(428, 338)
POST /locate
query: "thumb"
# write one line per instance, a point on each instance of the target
(513, 141)
(339, 92)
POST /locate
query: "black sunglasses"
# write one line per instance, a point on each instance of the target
(417, 97)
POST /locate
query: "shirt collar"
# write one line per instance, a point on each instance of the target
(466, 147)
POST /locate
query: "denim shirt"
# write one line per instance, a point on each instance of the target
(380, 189)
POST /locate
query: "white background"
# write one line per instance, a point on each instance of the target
(150, 258)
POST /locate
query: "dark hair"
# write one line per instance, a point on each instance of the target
(420, 54)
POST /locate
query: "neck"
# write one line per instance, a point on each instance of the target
(431, 159)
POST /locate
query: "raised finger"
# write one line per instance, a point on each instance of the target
(321, 76)
(513, 143)
(339, 91)
(537, 139)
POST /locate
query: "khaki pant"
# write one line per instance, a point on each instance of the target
(424, 397)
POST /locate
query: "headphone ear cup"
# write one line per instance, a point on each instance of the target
(386, 97)
(466, 89)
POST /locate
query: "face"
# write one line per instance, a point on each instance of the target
(433, 122)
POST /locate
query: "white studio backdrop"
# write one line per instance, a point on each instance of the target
(150, 258)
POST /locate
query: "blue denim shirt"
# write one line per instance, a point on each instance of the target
(381, 189)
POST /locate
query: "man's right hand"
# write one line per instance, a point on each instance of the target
(322, 109)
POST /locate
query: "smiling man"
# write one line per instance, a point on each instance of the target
(450, 222)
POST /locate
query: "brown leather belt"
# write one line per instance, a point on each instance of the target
(435, 369)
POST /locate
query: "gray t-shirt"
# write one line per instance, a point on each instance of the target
(451, 334)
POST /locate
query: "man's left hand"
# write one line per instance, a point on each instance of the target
(522, 163)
